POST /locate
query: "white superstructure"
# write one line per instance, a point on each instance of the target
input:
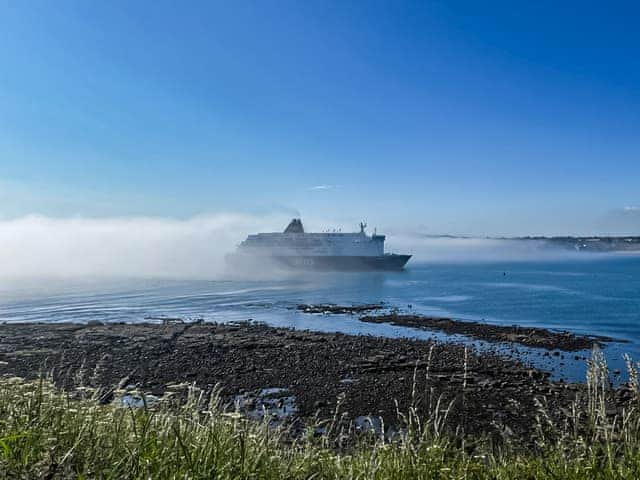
(294, 241)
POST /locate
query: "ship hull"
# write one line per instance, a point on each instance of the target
(321, 263)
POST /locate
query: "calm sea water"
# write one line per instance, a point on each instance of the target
(590, 295)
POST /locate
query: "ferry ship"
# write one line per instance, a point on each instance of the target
(296, 249)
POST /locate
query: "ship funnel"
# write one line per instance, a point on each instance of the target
(295, 226)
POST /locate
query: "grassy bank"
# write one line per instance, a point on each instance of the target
(47, 433)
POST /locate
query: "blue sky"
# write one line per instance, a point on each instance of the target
(458, 117)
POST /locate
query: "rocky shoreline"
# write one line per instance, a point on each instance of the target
(511, 334)
(291, 373)
(527, 336)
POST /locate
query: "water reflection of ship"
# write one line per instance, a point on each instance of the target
(296, 249)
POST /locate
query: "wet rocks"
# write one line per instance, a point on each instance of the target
(528, 336)
(136, 400)
(274, 403)
(330, 308)
(368, 424)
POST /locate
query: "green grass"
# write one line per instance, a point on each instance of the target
(46, 433)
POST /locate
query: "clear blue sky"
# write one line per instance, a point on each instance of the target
(457, 117)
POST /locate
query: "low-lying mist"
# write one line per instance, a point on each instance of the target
(463, 249)
(38, 246)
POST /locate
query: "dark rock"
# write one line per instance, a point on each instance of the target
(529, 336)
(338, 309)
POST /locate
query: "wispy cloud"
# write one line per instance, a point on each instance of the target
(323, 187)
(632, 209)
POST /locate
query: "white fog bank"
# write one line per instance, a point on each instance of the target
(38, 246)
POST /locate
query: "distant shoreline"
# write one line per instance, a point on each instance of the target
(596, 243)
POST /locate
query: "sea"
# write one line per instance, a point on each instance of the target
(589, 294)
